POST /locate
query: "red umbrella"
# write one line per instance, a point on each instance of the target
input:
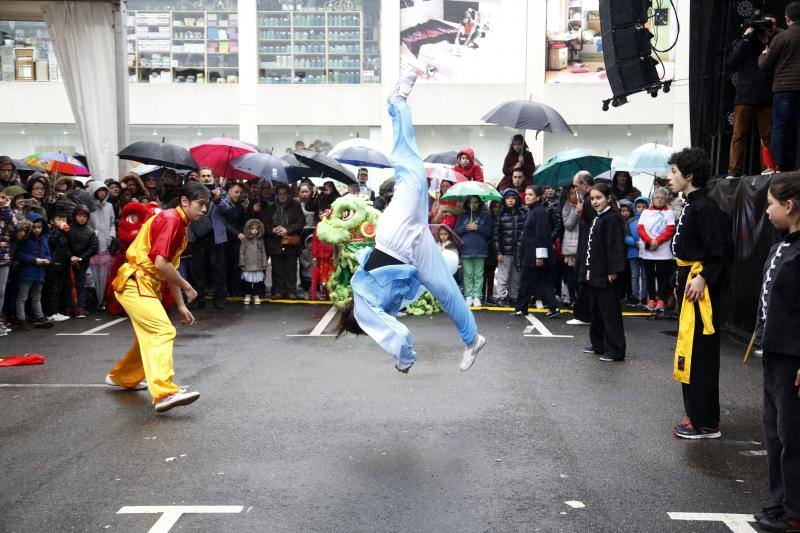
(444, 174)
(217, 154)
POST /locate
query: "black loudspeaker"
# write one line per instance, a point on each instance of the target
(630, 66)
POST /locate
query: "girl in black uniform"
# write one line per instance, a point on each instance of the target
(605, 261)
(777, 324)
(700, 246)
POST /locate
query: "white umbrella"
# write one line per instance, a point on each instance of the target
(650, 158)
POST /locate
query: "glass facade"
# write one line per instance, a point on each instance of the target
(26, 52)
(317, 42)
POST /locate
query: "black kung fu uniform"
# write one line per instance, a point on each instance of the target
(778, 324)
(605, 255)
(702, 234)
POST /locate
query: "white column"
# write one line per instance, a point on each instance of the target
(535, 70)
(681, 131)
(390, 62)
(248, 71)
(121, 76)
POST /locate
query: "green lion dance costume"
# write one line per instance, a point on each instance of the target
(348, 226)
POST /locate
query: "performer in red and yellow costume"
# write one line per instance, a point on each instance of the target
(153, 259)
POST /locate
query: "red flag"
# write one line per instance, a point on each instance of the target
(766, 157)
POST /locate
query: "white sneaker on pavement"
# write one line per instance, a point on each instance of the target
(476, 302)
(257, 299)
(471, 352)
(142, 385)
(576, 322)
(183, 397)
(246, 299)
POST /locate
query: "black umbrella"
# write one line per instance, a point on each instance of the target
(447, 158)
(295, 170)
(527, 115)
(24, 169)
(162, 154)
(259, 165)
(325, 167)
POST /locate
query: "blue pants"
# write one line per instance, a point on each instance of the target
(638, 279)
(785, 118)
(403, 227)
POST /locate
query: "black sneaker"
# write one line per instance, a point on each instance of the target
(589, 349)
(42, 323)
(769, 512)
(779, 522)
(608, 357)
(553, 313)
(686, 430)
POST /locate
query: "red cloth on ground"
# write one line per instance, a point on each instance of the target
(20, 360)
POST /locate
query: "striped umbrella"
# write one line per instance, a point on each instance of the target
(57, 163)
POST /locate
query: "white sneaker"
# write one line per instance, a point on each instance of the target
(246, 299)
(539, 304)
(468, 301)
(3, 332)
(471, 352)
(476, 302)
(576, 322)
(111, 383)
(404, 85)
(62, 318)
(257, 300)
(183, 397)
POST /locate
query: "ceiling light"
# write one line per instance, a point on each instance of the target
(575, 132)
(352, 132)
(199, 133)
(22, 131)
(629, 131)
(155, 133)
(65, 132)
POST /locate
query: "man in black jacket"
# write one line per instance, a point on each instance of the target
(233, 211)
(753, 101)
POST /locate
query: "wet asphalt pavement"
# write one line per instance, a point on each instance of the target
(312, 434)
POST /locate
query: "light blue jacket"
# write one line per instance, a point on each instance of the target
(378, 296)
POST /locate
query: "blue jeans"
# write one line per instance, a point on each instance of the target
(638, 279)
(785, 117)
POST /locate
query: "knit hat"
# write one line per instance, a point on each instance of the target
(625, 203)
(15, 190)
(80, 208)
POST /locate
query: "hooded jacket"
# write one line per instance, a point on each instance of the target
(252, 251)
(138, 196)
(632, 237)
(512, 157)
(510, 223)
(474, 172)
(628, 193)
(475, 242)
(31, 249)
(5, 160)
(570, 218)
(82, 240)
(102, 219)
(59, 248)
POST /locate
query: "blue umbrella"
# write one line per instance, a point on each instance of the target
(362, 156)
(650, 158)
(260, 165)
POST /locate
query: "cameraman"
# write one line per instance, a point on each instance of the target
(753, 101)
(783, 57)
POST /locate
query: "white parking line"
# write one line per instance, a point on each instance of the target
(537, 325)
(321, 325)
(93, 331)
(170, 514)
(737, 523)
(51, 385)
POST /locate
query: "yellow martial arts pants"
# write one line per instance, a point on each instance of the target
(151, 354)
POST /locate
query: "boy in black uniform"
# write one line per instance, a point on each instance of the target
(700, 246)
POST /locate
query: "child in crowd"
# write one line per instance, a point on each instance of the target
(467, 166)
(605, 263)
(8, 227)
(656, 228)
(638, 276)
(507, 233)
(444, 239)
(626, 213)
(322, 267)
(52, 291)
(490, 266)
(83, 244)
(306, 262)
(33, 255)
(777, 325)
(569, 243)
(253, 261)
(102, 219)
(474, 227)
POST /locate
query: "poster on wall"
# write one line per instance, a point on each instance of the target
(453, 41)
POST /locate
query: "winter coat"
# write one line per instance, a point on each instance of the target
(778, 317)
(474, 172)
(512, 157)
(82, 243)
(536, 241)
(59, 248)
(628, 193)
(553, 208)
(510, 224)
(233, 216)
(102, 219)
(753, 85)
(605, 253)
(31, 249)
(252, 251)
(656, 225)
(475, 241)
(569, 216)
(784, 58)
(137, 196)
(8, 227)
(294, 222)
(632, 237)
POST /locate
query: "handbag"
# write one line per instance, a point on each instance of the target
(290, 240)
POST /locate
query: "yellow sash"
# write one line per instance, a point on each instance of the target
(683, 348)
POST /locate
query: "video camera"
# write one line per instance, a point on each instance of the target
(759, 24)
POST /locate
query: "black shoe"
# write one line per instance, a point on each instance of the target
(589, 349)
(42, 323)
(502, 302)
(780, 523)
(769, 512)
(518, 313)
(553, 313)
(608, 357)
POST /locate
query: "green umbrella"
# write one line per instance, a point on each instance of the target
(559, 169)
(461, 191)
